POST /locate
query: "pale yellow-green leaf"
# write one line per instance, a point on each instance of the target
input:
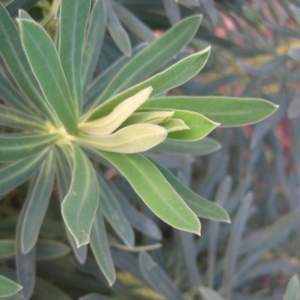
(151, 117)
(131, 139)
(173, 125)
(121, 112)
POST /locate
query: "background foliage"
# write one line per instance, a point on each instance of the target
(254, 176)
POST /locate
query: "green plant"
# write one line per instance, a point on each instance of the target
(57, 123)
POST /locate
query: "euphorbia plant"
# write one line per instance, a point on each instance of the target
(65, 117)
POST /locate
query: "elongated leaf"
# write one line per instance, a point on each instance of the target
(7, 248)
(292, 289)
(25, 263)
(11, 117)
(156, 55)
(117, 32)
(202, 147)
(104, 78)
(80, 204)
(131, 139)
(269, 236)
(37, 204)
(64, 182)
(172, 11)
(99, 245)
(231, 255)
(46, 66)
(73, 20)
(199, 205)
(114, 214)
(133, 23)
(12, 51)
(48, 250)
(93, 43)
(120, 113)
(209, 294)
(172, 77)
(16, 173)
(157, 278)
(21, 146)
(227, 111)
(8, 287)
(153, 188)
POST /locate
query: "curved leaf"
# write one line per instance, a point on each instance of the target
(225, 110)
(7, 248)
(292, 289)
(50, 250)
(131, 139)
(80, 204)
(46, 66)
(37, 204)
(154, 189)
(209, 294)
(21, 146)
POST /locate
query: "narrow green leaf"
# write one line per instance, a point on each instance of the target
(131, 21)
(12, 175)
(37, 204)
(120, 113)
(93, 43)
(199, 205)
(21, 146)
(225, 110)
(94, 297)
(7, 248)
(155, 56)
(25, 263)
(231, 255)
(72, 28)
(64, 181)
(46, 66)
(100, 248)
(198, 126)
(80, 204)
(292, 289)
(104, 78)
(13, 118)
(48, 250)
(113, 213)
(157, 278)
(209, 294)
(174, 125)
(8, 287)
(117, 32)
(131, 139)
(154, 189)
(12, 51)
(202, 147)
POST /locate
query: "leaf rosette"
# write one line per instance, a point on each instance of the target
(65, 118)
